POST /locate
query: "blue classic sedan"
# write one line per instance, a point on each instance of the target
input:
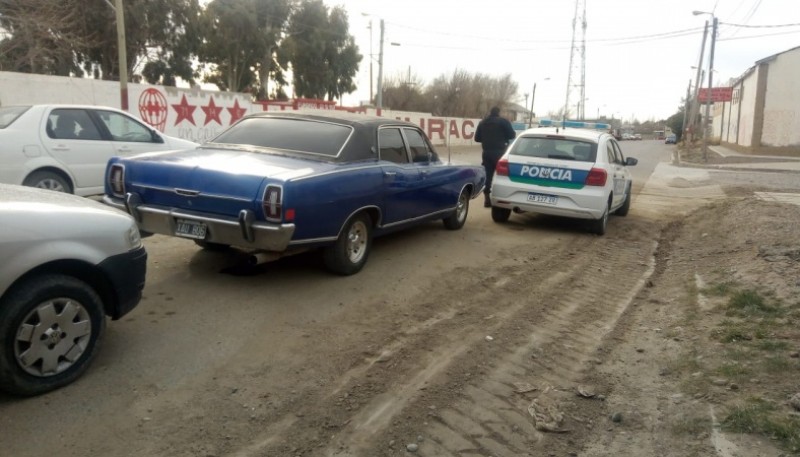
(276, 184)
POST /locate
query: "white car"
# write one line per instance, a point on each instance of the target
(571, 172)
(68, 262)
(66, 147)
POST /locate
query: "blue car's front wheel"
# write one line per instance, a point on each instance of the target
(350, 251)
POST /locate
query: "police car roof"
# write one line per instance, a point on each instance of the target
(570, 133)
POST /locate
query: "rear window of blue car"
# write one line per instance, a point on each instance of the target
(302, 135)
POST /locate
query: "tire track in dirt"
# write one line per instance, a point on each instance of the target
(568, 340)
(386, 381)
(561, 328)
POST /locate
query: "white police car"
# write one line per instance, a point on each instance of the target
(572, 172)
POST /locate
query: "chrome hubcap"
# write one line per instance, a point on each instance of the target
(357, 241)
(52, 337)
(51, 184)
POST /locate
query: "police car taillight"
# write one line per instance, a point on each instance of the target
(502, 167)
(596, 177)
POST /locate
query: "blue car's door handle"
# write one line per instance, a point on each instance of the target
(389, 173)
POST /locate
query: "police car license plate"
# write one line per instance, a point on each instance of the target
(547, 199)
(190, 229)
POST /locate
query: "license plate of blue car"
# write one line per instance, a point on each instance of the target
(190, 229)
(547, 199)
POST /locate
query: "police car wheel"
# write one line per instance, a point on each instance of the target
(500, 214)
(599, 225)
(626, 206)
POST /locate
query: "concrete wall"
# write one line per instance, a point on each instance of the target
(765, 110)
(782, 102)
(195, 114)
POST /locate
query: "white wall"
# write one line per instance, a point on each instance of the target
(781, 117)
(193, 114)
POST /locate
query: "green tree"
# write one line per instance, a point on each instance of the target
(675, 122)
(323, 55)
(243, 44)
(163, 32)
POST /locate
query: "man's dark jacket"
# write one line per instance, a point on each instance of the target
(494, 133)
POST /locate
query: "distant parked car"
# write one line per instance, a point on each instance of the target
(637, 136)
(66, 147)
(670, 139)
(276, 184)
(68, 262)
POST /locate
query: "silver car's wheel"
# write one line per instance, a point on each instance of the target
(350, 251)
(52, 337)
(48, 180)
(50, 326)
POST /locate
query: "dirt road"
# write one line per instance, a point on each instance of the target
(526, 338)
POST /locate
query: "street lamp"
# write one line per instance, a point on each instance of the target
(533, 96)
(371, 56)
(714, 24)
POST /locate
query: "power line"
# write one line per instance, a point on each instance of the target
(761, 26)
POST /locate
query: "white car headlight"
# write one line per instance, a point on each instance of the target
(133, 238)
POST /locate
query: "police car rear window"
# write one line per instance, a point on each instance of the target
(555, 148)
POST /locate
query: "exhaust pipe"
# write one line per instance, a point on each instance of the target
(257, 258)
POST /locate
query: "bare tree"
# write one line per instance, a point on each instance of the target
(469, 95)
(39, 36)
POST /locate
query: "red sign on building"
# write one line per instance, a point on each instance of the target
(718, 94)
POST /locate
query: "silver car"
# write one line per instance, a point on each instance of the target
(68, 262)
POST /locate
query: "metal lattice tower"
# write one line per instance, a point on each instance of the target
(576, 90)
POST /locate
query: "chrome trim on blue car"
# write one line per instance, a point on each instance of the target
(242, 231)
(175, 190)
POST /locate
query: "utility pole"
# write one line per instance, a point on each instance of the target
(379, 96)
(699, 78)
(529, 113)
(371, 60)
(710, 86)
(123, 58)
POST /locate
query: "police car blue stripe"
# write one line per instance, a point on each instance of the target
(547, 176)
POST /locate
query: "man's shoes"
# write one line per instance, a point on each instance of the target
(487, 202)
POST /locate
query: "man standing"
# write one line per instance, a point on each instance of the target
(494, 133)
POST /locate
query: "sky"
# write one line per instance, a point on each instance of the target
(639, 54)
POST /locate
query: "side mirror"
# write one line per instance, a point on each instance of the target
(630, 161)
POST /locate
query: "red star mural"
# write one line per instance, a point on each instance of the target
(185, 111)
(236, 111)
(212, 112)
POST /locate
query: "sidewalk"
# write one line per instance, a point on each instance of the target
(722, 158)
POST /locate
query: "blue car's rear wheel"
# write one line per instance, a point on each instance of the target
(350, 251)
